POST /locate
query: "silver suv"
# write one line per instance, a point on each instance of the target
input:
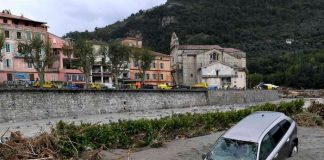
(259, 136)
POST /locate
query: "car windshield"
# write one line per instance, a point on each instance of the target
(228, 149)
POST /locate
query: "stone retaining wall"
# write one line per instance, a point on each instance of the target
(27, 105)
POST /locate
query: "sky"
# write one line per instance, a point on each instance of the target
(63, 16)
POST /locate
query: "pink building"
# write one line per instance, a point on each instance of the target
(13, 67)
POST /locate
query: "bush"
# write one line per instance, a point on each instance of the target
(139, 133)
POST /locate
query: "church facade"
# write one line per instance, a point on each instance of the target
(212, 64)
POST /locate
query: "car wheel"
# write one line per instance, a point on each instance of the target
(293, 150)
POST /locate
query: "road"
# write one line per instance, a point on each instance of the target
(311, 147)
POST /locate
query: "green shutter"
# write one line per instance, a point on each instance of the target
(11, 48)
(10, 63)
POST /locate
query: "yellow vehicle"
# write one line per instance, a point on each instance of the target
(201, 85)
(47, 84)
(164, 87)
(95, 86)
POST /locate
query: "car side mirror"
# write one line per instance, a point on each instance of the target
(203, 156)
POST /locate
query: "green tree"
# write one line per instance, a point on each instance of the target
(253, 80)
(83, 54)
(119, 59)
(39, 53)
(68, 50)
(2, 41)
(144, 57)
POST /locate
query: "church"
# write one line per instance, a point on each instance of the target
(220, 67)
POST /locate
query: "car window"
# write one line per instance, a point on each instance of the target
(285, 125)
(267, 145)
(276, 133)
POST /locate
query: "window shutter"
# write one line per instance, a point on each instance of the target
(10, 63)
(11, 48)
(5, 63)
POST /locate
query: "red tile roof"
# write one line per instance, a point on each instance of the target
(10, 16)
(159, 54)
(231, 50)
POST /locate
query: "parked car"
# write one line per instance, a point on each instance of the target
(71, 86)
(259, 136)
(180, 87)
(47, 84)
(96, 86)
(201, 85)
(164, 87)
(108, 86)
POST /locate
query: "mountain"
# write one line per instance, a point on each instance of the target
(258, 27)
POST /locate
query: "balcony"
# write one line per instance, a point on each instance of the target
(18, 55)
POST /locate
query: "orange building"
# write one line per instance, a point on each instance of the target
(160, 71)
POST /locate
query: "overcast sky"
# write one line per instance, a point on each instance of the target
(64, 16)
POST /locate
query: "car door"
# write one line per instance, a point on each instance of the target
(269, 149)
(276, 134)
(285, 150)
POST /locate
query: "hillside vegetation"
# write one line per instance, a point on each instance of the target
(258, 27)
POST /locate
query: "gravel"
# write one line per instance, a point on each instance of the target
(311, 147)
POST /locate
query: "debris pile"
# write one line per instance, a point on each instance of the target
(287, 93)
(17, 147)
(317, 108)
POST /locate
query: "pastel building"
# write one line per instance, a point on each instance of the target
(160, 71)
(13, 67)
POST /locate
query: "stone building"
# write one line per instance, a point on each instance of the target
(213, 64)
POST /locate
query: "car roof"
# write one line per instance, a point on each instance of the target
(251, 128)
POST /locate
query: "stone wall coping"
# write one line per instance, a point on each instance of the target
(93, 90)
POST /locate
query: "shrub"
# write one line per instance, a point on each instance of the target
(139, 133)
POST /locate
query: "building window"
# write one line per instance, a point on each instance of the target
(74, 78)
(53, 77)
(161, 65)
(191, 75)
(136, 64)
(5, 20)
(136, 76)
(29, 36)
(153, 65)
(147, 76)
(7, 63)
(154, 76)
(18, 35)
(161, 76)
(217, 73)
(38, 35)
(7, 34)
(16, 22)
(125, 75)
(8, 49)
(29, 65)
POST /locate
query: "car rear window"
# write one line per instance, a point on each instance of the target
(276, 133)
(285, 125)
